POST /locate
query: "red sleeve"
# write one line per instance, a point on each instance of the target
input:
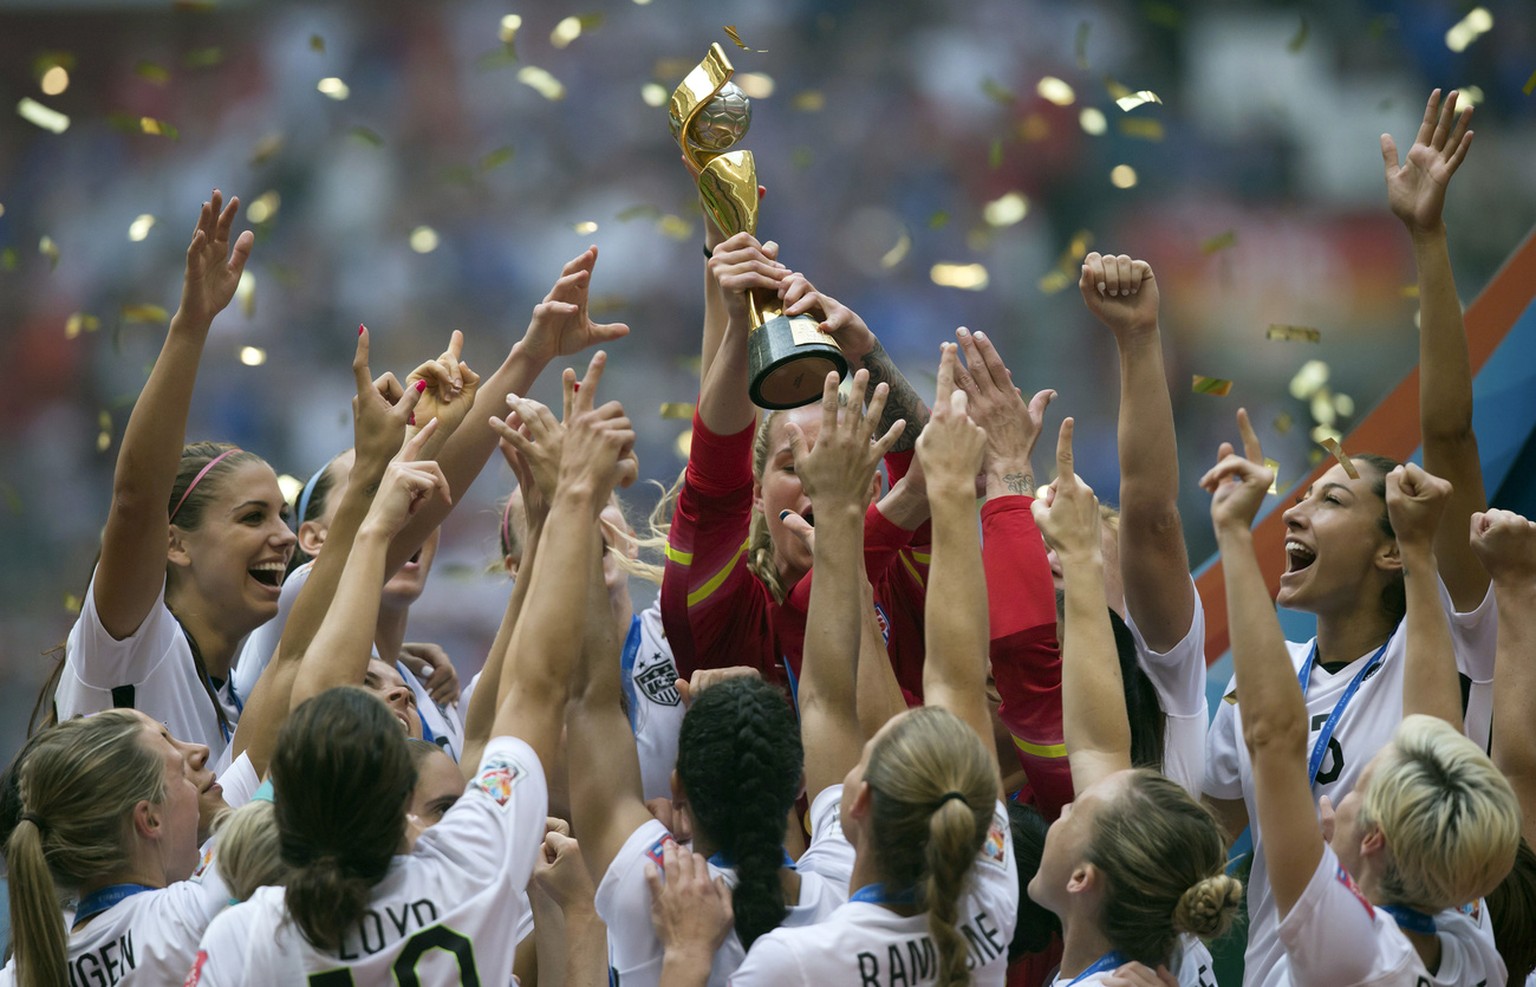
(1026, 659)
(712, 607)
(897, 465)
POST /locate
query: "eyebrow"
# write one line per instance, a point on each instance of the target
(249, 503)
(1327, 487)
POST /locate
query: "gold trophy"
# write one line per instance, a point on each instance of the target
(788, 358)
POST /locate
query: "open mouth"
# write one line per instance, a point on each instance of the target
(1297, 556)
(268, 573)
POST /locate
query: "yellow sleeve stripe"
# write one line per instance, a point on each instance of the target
(703, 592)
(1040, 750)
(924, 559)
(681, 558)
(911, 568)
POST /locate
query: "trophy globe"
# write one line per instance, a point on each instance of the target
(721, 123)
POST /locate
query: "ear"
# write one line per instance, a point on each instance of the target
(862, 801)
(1373, 842)
(757, 495)
(146, 819)
(312, 536)
(1389, 559)
(511, 563)
(176, 549)
(1085, 878)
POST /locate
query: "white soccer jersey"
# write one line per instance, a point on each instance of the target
(866, 944)
(1365, 727)
(1468, 954)
(1333, 937)
(151, 670)
(1192, 965)
(655, 709)
(624, 898)
(445, 913)
(1178, 675)
(441, 725)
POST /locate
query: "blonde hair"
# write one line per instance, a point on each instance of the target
(513, 532)
(759, 541)
(249, 848)
(924, 837)
(1163, 857)
(79, 786)
(1450, 818)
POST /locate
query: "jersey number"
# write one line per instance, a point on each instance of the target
(1333, 761)
(423, 942)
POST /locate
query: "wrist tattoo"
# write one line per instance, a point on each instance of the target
(901, 402)
(1019, 483)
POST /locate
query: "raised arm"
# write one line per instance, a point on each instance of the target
(131, 574)
(1415, 502)
(561, 326)
(1416, 194)
(1094, 718)
(955, 619)
(595, 456)
(739, 265)
(1123, 295)
(1274, 710)
(838, 473)
(1505, 542)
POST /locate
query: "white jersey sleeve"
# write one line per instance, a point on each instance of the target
(151, 670)
(1334, 937)
(1178, 675)
(655, 708)
(148, 938)
(1223, 765)
(1468, 954)
(829, 853)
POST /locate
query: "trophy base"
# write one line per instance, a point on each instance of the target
(788, 360)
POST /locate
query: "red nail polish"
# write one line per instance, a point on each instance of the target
(361, 328)
(411, 420)
(576, 386)
(421, 385)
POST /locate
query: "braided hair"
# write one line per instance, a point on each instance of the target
(739, 761)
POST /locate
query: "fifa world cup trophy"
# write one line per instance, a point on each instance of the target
(788, 358)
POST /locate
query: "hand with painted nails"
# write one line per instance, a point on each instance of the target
(450, 391)
(1238, 484)
(740, 265)
(992, 401)
(1121, 293)
(213, 269)
(853, 336)
(380, 412)
(561, 323)
(1416, 188)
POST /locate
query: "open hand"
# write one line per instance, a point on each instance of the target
(532, 433)
(992, 401)
(213, 271)
(840, 468)
(1416, 188)
(689, 910)
(561, 324)
(1237, 484)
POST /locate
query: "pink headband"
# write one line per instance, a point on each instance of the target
(199, 479)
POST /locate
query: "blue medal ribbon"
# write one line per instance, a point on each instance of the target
(1315, 762)
(724, 862)
(1109, 961)
(1411, 919)
(875, 894)
(102, 899)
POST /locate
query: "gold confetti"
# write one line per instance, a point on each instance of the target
(1129, 102)
(898, 252)
(642, 211)
(1162, 14)
(104, 433)
(996, 92)
(1214, 386)
(809, 101)
(1469, 96)
(1344, 405)
(967, 277)
(508, 29)
(685, 443)
(730, 32)
(1312, 376)
(1530, 85)
(1091, 119)
(8, 259)
(802, 157)
(145, 313)
(152, 72)
(1034, 128)
(1123, 176)
(1337, 451)
(290, 487)
(571, 28)
(317, 43)
(1067, 265)
(1219, 242)
(264, 207)
(1274, 467)
(36, 113)
(492, 160)
(674, 227)
(158, 128)
(1322, 408)
(1142, 128)
(50, 250)
(541, 82)
(334, 88)
(995, 153)
(1300, 39)
(1006, 209)
(80, 322)
(72, 603)
(54, 81)
(266, 149)
(2, 209)
(253, 356)
(1467, 30)
(1283, 423)
(938, 220)
(1294, 334)
(203, 58)
(367, 136)
(677, 409)
(1081, 44)
(653, 94)
(245, 294)
(1056, 91)
(140, 227)
(424, 239)
(585, 226)
(757, 85)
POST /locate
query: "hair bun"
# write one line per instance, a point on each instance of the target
(1207, 909)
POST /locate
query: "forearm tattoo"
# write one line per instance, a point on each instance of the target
(1019, 483)
(901, 402)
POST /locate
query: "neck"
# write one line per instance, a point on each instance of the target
(216, 641)
(865, 873)
(1082, 944)
(137, 872)
(389, 632)
(1344, 637)
(790, 573)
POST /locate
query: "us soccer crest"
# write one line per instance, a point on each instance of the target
(656, 677)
